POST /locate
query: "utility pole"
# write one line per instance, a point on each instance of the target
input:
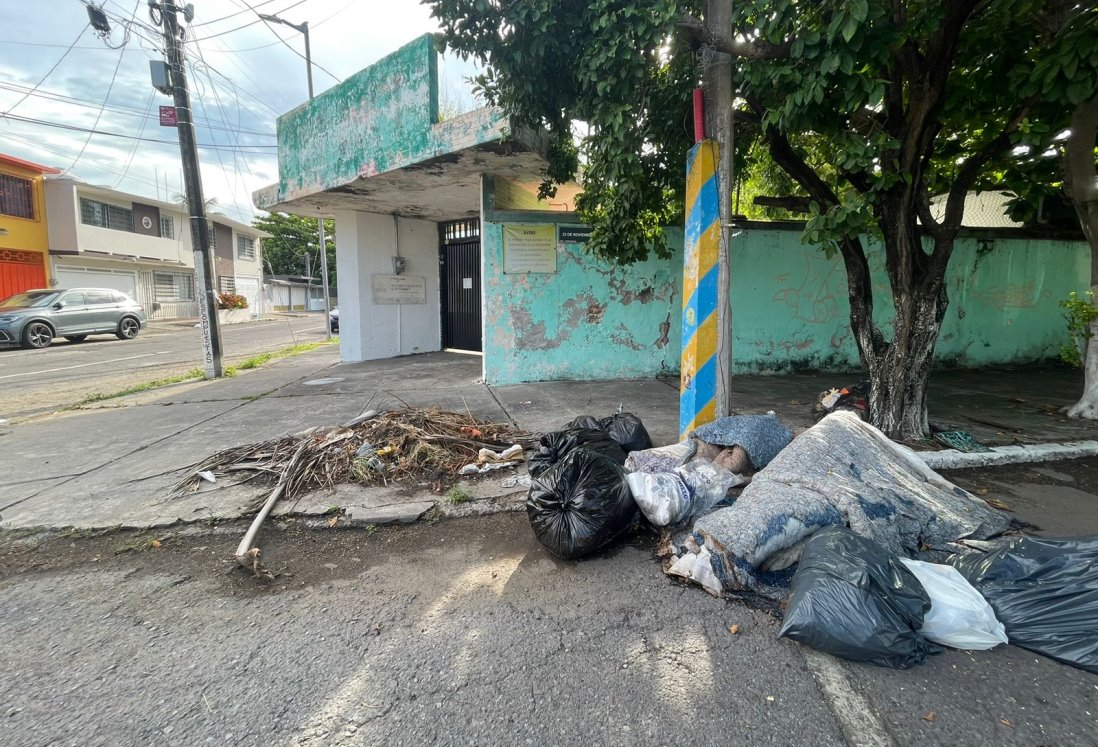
(719, 112)
(192, 181)
(303, 28)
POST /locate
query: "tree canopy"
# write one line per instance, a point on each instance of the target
(292, 238)
(869, 107)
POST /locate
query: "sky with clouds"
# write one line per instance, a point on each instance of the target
(241, 78)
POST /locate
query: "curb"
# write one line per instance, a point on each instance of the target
(953, 459)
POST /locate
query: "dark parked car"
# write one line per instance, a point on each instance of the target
(32, 319)
(333, 321)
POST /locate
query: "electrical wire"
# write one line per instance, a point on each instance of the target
(75, 128)
(231, 15)
(49, 72)
(106, 98)
(288, 46)
(246, 25)
(136, 143)
(116, 108)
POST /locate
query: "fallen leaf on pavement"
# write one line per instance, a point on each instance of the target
(734, 629)
(333, 521)
(929, 716)
(996, 503)
(155, 543)
(1005, 722)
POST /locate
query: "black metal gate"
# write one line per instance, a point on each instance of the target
(459, 263)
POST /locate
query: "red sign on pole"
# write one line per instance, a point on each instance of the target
(168, 116)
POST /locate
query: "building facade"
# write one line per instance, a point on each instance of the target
(24, 240)
(104, 238)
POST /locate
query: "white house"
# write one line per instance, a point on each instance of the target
(100, 237)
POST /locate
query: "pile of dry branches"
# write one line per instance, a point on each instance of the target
(393, 446)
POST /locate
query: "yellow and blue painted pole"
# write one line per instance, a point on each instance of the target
(698, 392)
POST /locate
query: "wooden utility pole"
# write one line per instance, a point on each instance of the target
(719, 112)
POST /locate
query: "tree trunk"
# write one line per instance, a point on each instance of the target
(1087, 406)
(1081, 184)
(899, 370)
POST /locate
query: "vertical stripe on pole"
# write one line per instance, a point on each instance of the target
(698, 392)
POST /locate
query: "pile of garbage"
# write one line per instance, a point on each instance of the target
(377, 448)
(874, 556)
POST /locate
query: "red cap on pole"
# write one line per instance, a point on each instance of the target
(699, 116)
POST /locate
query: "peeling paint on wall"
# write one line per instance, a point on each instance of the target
(589, 320)
(382, 118)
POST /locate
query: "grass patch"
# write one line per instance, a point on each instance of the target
(197, 373)
(258, 360)
(458, 495)
(194, 373)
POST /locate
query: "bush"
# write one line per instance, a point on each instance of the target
(1079, 312)
(231, 301)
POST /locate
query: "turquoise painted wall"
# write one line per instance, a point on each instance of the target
(790, 312)
(790, 308)
(589, 320)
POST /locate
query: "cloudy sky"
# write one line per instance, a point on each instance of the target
(241, 78)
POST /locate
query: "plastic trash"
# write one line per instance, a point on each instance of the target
(667, 498)
(854, 599)
(208, 475)
(1045, 592)
(580, 504)
(658, 459)
(959, 617)
(555, 446)
(625, 428)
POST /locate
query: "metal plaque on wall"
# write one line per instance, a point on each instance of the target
(394, 289)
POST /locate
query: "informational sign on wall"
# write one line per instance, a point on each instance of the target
(395, 289)
(529, 248)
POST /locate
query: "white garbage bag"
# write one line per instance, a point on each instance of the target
(667, 498)
(959, 616)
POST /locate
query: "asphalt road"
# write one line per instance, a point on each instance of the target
(33, 381)
(465, 632)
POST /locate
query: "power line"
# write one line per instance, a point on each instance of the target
(113, 108)
(267, 23)
(50, 71)
(75, 128)
(106, 98)
(231, 15)
(246, 25)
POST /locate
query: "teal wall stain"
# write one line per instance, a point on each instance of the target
(382, 118)
(589, 320)
(790, 311)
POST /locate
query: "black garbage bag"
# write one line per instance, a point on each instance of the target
(587, 421)
(624, 427)
(553, 447)
(854, 599)
(580, 504)
(1045, 593)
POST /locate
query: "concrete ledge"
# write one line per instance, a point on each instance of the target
(953, 459)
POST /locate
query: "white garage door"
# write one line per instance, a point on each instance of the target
(249, 288)
(85, 277)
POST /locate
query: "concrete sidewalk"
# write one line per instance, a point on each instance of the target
(113, 464)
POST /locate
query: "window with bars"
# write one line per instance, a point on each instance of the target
(167, 227)
(226, 284)
(173, 286)
(457, 231)
(245, 247)
(213, 237)
(16, 197)
(95, 213)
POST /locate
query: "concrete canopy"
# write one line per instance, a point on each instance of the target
(375, 144)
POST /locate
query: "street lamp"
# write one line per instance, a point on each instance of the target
(303, 28)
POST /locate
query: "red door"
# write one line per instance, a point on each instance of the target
(20, 271)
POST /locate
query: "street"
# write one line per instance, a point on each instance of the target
(464, 632)
(34, 381)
